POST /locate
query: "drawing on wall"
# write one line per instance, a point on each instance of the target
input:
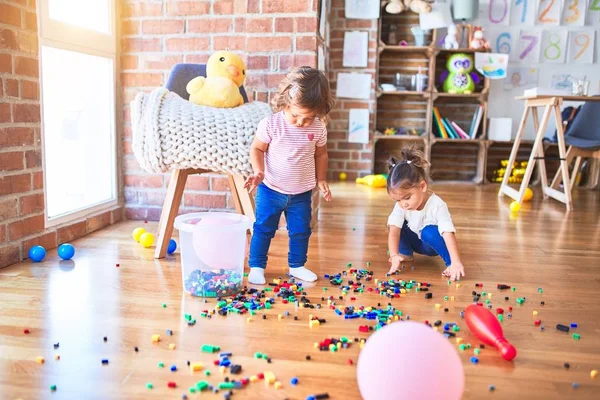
(358, 127)
(563, 81)
(362, 9)
(529, 46)
(353, 86)
(581, 47)
(521, 77)
(491, 65)
(356, 49)
(554, 46)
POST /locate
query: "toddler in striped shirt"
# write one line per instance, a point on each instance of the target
(289, 158)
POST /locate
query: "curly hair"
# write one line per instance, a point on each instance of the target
(305, 87)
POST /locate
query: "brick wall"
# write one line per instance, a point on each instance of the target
(21, 179)
(270, 35)
(352, 158)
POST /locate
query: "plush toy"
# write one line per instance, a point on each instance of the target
(374, 181)
(394, 7)
(450, 41)
(225, 73)
(460, 77)
(479, 42)
(416, 6)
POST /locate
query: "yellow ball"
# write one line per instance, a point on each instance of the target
(515, 207)
(343, 176)
(137, 232)
(528, 194)
(147, 239)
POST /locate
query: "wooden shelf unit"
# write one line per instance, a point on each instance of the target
(461, 160)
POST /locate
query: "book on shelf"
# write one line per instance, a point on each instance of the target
(451, 133)
(447, 129)
(438, 123)
(475, 122)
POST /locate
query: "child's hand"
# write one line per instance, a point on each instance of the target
(324, 188)
(454, 271)
(253, 181)
(396, 261)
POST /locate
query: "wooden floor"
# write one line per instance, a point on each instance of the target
(78, 303)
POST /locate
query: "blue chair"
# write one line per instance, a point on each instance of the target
(583, 138)
(178, 79)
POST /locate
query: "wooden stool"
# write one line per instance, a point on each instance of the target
(244, 204)
(577, 154)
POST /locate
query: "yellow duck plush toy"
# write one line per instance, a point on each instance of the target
(225, 73)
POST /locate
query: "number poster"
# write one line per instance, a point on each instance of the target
(542, 31)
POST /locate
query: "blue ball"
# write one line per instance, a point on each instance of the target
(66, 251)
(37, 253)
(172, 246)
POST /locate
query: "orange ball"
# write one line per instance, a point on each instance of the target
(528, 194)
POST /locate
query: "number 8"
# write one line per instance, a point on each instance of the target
(555, 45)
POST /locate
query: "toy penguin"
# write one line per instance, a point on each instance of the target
(460, 77)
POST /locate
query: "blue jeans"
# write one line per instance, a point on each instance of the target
(269, 206)
(430, 244)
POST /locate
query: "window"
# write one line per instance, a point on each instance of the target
(78, 73)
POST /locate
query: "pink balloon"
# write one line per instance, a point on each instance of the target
(409, 360)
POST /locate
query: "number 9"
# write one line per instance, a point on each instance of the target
(503, 47)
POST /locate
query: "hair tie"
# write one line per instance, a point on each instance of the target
(293, 91)
(408, 161)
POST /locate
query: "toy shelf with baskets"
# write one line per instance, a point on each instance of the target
(409, 113)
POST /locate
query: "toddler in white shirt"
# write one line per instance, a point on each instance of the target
(420, 222)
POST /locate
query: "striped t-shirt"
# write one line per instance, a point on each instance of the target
(290, 158)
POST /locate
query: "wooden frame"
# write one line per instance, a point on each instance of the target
(244, 204)
(551, 105)
(429, 96)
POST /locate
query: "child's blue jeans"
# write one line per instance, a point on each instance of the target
(269, 206)
(431, 243)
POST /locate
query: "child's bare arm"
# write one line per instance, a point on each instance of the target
(393, 242)
(456, 268)
(321, 160)
(257, 158)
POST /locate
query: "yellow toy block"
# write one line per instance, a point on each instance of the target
(196, 366)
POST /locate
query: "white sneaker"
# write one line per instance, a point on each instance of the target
(303, 274)
(257, 276)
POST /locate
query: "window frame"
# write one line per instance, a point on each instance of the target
(61, 35)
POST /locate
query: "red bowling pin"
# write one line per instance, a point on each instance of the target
(486, 327)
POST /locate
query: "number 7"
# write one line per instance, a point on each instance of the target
(534, 41)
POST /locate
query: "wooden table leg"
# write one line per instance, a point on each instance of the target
(245, 198)
(541, 163)
(235, 195)
(594, 173)
(504, 188)
(539, 136)
(565, 196)
(169, 211)
(558, 176)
